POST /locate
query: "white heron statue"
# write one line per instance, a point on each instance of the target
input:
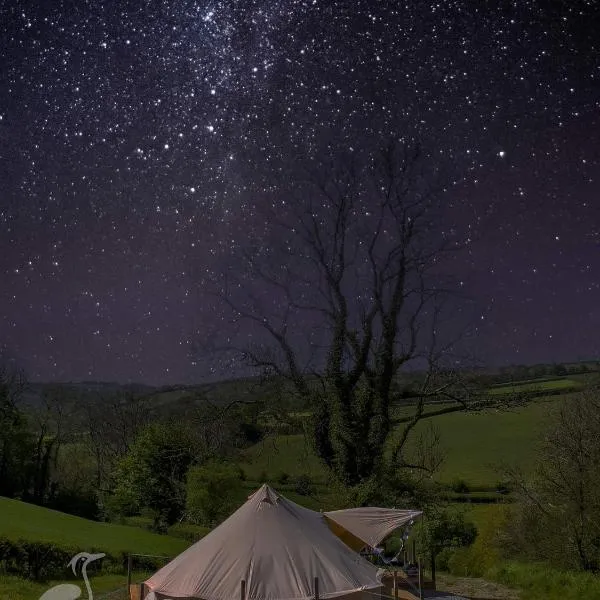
(69, 591)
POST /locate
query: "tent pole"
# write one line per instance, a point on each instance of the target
(395, 594)
(420, 568)
(316, 588)
(243, 590)
(129, 561)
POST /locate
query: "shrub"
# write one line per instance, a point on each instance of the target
(250, 433)
(443, 558)
(393, 545)
(152, 473)
(460, 486)
(188, 531)
(283, 478)
(485, 553)
(81, 504)
(41, 561)
(304, 485)
(213, 491)
(503, 487)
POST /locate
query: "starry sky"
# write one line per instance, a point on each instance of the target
(139, 137)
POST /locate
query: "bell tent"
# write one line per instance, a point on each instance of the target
(269, 549)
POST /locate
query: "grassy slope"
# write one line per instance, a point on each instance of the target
(534, 385)
(474, 444)
(289, 454)
(19, 520)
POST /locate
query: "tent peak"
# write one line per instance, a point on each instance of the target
(265, 493)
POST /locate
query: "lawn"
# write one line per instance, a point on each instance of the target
(19, 520)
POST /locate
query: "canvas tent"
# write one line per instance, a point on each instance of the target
(277, 548)
(368, 526)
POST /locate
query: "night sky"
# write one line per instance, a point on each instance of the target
(138, 138)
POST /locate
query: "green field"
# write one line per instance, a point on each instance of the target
(474, 444)
(289, 454)
(535, 385)
(19, 520)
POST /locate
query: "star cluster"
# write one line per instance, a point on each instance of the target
(138, 138)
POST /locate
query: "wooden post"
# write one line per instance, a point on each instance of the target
(243, 590)
(433, 569)
(129, 569)
(316, 588)
(141, 591)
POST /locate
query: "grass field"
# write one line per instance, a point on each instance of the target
(536, 384)
(19, 520)
(474, 444)
(289, 454)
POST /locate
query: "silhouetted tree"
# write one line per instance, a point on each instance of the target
(354, 263)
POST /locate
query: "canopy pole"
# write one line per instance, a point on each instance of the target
(129, 571)
(395, 594)
(420, 568)
(243, 590)
(316, 588)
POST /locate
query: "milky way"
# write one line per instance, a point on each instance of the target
(137, 138)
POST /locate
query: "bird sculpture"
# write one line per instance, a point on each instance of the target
(69, 591)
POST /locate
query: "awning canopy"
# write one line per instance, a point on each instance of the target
(369, 525)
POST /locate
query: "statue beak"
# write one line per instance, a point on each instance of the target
(96, 556)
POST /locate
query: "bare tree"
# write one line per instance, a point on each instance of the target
(13, 383)
(559, 511)
(112, 422)
(348, 294)
(51, 426)
(16, 443)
